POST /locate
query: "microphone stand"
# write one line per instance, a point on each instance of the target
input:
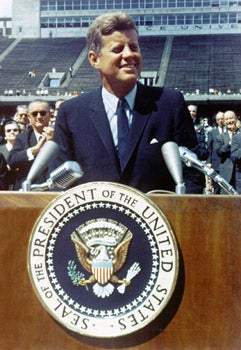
(216, 178)
(223, 183)
(191, 160)
(26, 186)
(40, 187)
(180, 188)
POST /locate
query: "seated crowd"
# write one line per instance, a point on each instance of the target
(26, 132)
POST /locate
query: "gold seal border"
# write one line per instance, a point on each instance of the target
(110, 188)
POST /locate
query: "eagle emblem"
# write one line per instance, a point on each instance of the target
(102, 248)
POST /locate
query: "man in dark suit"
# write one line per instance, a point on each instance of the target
(213, 158)
(236, 159)
(224, 142)
(28, 143)
(87, 126)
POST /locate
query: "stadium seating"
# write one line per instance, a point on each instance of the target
(152, 49)
(4, 43)
(197, 63)
(39, 56)
(205, 62)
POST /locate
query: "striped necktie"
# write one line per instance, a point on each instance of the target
(123, 129)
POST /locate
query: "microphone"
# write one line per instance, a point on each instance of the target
(171, 155)
(191, 160)
(40, 163)
(62, 177)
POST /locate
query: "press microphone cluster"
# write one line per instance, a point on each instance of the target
(191, 160)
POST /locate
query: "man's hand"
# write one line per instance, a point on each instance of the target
(35, 149)
(48, 132)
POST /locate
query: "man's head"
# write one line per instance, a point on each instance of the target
(219, 118)
(230, 120)
(193, 111)
(114, 51)
(107, 24)
(21, 114)
(57, 105)
(39, 115)
(54, 112)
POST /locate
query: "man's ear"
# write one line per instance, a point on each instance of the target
(93, 59)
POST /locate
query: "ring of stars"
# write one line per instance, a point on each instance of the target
(73, 303)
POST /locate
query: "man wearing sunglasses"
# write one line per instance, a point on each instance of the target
(28, 144)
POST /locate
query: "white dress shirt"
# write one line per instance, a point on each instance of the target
(110, 103)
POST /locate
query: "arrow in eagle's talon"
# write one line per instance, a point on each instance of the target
(131, 273)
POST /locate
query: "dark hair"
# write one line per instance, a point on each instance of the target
(107, 24)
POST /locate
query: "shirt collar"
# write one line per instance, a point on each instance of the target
(8, 146)
(111, 101)
(37, 134)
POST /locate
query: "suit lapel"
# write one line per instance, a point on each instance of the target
(225, 137)
(138, 123)
(144, 105)
(101, 123)
(31, 138)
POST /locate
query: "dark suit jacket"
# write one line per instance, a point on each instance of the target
(18, 159)
(236, 159)
(3, 172)
(11, 173)
(226, 167)
(4, 151)
(83, 134)
(213, 157)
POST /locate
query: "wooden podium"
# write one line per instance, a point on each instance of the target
(208, 231)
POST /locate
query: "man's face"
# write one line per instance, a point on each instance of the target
(230, 121)
(220, 119)
(119, 61)
(39, 115)
(22, 115)
(192, 111)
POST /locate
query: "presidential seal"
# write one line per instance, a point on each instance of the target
(103, 260)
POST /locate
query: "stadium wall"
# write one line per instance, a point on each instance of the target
(30, 20)
(26, 19)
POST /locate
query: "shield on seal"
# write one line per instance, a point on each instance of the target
(102, 270)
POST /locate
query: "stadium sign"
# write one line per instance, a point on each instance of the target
(103, 260)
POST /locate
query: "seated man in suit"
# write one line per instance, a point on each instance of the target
(116, 132)
(28, 143)
(213, 158)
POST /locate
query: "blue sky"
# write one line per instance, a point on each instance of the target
(5, 8)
